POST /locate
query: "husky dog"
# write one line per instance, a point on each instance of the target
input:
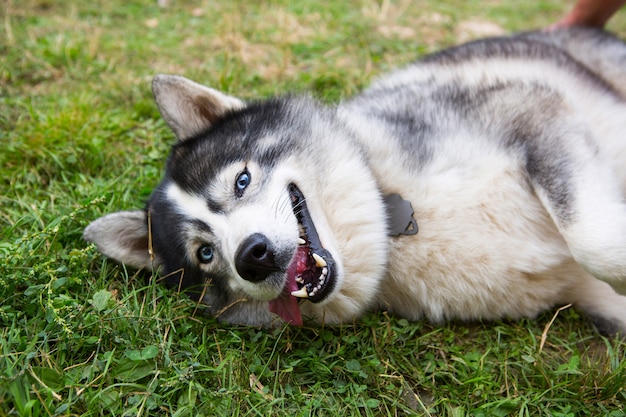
(485, 181)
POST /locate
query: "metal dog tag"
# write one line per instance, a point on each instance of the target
(400, 216)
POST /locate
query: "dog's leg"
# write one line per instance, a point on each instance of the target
(575, 182)
(603, 306)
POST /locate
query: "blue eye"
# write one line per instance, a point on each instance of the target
(243, 180)
(205, 254)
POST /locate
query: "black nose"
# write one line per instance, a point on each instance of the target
(254, 259)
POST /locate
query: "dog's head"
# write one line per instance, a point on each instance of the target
(265, 209)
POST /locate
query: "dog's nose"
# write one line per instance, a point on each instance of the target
(254, 259)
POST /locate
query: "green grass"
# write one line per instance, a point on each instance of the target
(80, 137)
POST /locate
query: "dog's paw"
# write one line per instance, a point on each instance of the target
(601, 304)
(600, 247)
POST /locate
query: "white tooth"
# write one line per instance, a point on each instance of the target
(301, 293)
(319, 261)
(322, 280)
(301, 241)
(324, 271)
(299, 280)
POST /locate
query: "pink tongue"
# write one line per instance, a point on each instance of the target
(286, 305)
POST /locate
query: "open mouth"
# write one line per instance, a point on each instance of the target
(311, 274)
(313, 267)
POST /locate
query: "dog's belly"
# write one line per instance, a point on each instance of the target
(486, 247)
(440, 294)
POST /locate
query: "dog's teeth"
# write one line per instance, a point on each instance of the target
(319, 261)
(301, 293)
(301, 241)
(324, 271)
(299, 280)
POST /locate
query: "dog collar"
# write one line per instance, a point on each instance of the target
(400, 216)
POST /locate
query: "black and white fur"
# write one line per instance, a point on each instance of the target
(512, 152)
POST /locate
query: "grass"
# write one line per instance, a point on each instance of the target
(81, 137)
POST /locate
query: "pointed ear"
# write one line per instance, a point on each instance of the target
(122, 236)
(190, 108)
